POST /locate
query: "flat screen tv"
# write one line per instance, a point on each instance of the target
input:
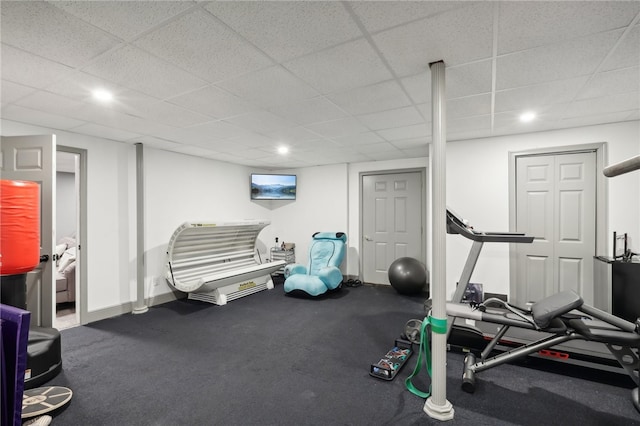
(273, 187)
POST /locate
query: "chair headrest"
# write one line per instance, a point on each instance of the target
(330, 236)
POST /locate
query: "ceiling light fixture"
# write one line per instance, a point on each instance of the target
(282, 150)
(102, 95)
(527, 116)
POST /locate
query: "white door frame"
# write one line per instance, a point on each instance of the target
(601, 196)
(82, 222)
(423, 216)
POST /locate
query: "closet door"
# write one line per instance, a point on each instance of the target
(556, 203)
(33, 158)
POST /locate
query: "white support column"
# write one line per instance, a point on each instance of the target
(437, 405)
(140, 307)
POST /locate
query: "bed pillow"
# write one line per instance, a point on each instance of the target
(67, 258)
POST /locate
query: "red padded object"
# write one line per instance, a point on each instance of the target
(19, 226)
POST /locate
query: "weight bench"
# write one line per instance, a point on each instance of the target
(216, 262)
(560, 318)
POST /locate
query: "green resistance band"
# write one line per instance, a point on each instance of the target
(438, 325)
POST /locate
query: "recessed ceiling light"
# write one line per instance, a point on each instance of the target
(102, 95)
(527, 116)
(282, 150)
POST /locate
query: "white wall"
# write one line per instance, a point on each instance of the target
(477, 189)
(320, 206)
(180, 188)
(111, 241)
(65, 204)
(354, 185)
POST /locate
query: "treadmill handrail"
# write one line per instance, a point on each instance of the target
(455, 225)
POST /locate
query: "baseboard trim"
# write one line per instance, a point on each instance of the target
(127, 308)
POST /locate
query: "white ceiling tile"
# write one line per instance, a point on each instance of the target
(470, 134)
(358, 139)
(11, 92)
(611, 82)
(105, 132)
(46, 101)
(292, 134)
(288, 29)
(482, 122)
(468, 79)
(471, 105)
(346, 156)
(627, 53)
(603, 105)
(634, 115)
(456, 37)
(425, 111)
(337, 128)
(343, 67)
(225, 157)
(417, 152)
(387, 155)
(269, 87)
(461, 80)
(379, 15)
(524, 25)
(331, 73)
(392, 118)
(124, 19)
(309, 111)
(261, 122)
(30, 70)
(405, 144)
(419, 86)
(169, 114)
(323, 157)
(375, 147)
(252, 154)
(537, 96)
(545, 118)
(138, 70)
(214, 102)
(405, 132)
(200, 44)
(377, 97)
(574, 58)
(39, 118)
(590, 120)
(80, 85)
(197, 151)
(157, 143)
(314, 145)
(251, 140)
(204, 132)
(44, 30)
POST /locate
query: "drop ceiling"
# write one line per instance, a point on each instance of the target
(333, 81)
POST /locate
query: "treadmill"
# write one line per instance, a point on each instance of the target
(469, 335)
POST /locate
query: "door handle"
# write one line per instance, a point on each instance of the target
(44, 258)
(368, 238)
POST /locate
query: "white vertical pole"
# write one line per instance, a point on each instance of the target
(437, 405)
(140, 307)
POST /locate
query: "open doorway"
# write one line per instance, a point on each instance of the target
(67, 259)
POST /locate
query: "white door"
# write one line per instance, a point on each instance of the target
(556, 203)
(32, 158)
(391, 222)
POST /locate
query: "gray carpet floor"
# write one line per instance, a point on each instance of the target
(270, 359)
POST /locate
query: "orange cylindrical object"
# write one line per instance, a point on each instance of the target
(19, 226)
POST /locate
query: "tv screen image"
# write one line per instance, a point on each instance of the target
(273, 187)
